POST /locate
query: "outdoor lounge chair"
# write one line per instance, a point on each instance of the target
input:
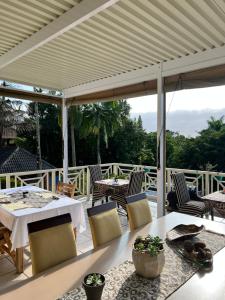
(134, 187)
(184, 202)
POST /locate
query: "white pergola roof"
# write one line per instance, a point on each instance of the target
(91, 45)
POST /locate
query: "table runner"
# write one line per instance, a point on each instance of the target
(17, 200)
(122, 282)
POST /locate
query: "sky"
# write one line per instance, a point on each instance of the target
(185, 100)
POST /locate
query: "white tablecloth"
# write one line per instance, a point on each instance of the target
(17, 220)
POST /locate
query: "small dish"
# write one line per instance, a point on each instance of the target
(182, 230)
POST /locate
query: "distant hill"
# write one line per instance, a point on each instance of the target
(188, 123)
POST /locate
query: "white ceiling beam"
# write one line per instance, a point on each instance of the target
(209, 58)
(73, 17)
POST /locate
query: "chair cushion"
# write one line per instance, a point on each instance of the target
(51, 246)
(105, 227)
(139, 213)
(193, 208)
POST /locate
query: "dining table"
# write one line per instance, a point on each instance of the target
(216, 200)
(55, 282)
(109, 186)
(22, 205)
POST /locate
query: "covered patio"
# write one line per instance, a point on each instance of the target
(103, 50)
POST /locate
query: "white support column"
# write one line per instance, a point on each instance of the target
(65, 140)
(161, 146)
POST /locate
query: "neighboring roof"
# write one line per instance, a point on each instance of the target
(16, 159)
(9, 133)
(125, 37)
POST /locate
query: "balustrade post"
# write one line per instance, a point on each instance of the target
(207, 189)
(53, 181)
(88, 183)
(8, 182)
(115, 169)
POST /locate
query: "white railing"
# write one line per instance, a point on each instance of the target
(204, 181)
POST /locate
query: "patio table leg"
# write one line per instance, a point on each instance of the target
(212, 214)
(19, 260)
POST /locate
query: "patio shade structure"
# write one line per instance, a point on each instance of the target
(107, 49)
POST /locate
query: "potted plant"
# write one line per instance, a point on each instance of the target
(93, 285)
(148, 256)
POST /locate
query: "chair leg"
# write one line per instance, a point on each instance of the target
(212, 214)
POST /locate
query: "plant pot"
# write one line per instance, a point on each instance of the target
(93, 292)
(146, 265)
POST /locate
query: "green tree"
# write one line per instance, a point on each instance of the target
(128, 145)
(50, 133)
(102, 119)
(11, 113)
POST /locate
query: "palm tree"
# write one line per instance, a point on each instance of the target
(216, 124)
(75, 120)
(102, 119)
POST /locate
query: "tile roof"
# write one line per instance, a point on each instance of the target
(16, 159)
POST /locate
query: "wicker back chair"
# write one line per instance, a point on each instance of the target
(95, 175)
(134, 187)
(185, 204)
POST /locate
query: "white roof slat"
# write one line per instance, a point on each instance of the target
(45, 81)
(203, 21)
(61, 68)
(130, 38)
(8, 14)
(143, 10)
(16, 23)
(97, 51)
(211, 12)
(140, 35)
(28, 16)
(115, 44)
(79, 52)
(13, 28)
(192, 24)
(221, 5)
(25, 13)
(44, 6)
(35, 9)
(10, 38)
(69, 60)
(170, 20)
(11, 33)
(63, 4)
